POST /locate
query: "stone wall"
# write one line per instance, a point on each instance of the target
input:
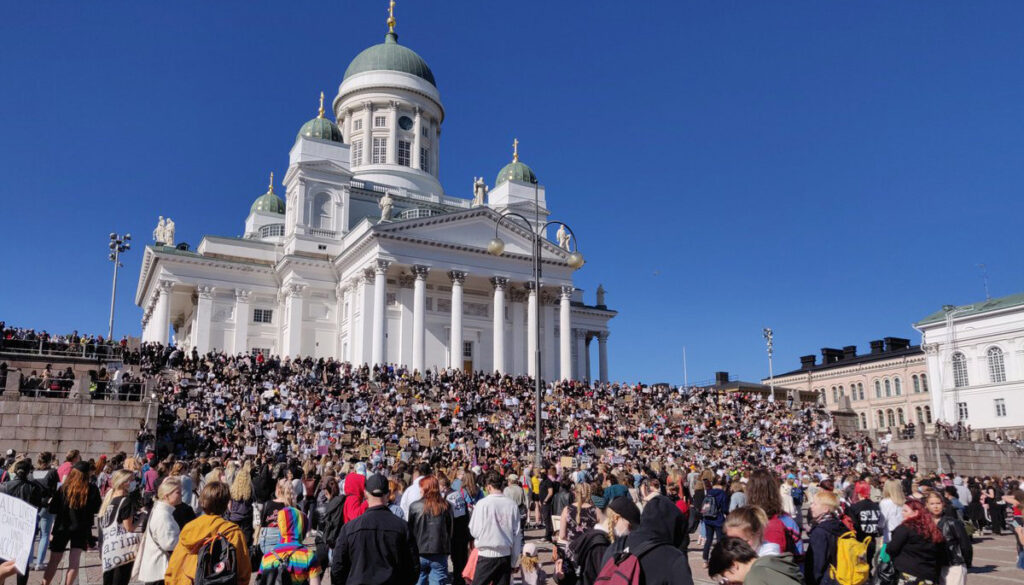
(963, 457)
(101, 427)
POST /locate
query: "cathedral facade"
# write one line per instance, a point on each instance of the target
(366, 259)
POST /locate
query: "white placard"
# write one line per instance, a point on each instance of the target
(19, 522)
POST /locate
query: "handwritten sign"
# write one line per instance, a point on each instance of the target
(251, 450)
(19, 521)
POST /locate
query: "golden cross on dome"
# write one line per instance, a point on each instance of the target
(271, 181)
(515, 150)
(321, 114)
(391, 16)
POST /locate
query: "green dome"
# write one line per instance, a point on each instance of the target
(390, 56)
(268, 202)
(515, 171)
(321, 128)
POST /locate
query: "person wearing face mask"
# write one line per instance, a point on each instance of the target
(735, 561)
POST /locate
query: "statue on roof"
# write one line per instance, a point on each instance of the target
(563, 238)
(479, 191)
(169, 232)
(158, 233)
(386, 204)
(600, 295)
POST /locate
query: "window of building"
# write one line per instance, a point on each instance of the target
(888, 388)
(322, 211)
(899, 415)
(357, 124)
(890, 417)
(1000, 407)
(392, 299)
(380, 150)
(917, 384)
(928, 414)
(920, 415)
(425, 159)
(959, 370)
(897, 386)
(258, 350)
(881, 419)
(961, 410)
(863, 421)
(860, 390)
(272, 230)
(357, 153)
(344, 315)
(996, 369)
(924, 382)
(878, 389)
(380, 121)
(263, 315)
(403, 153)
(467, 349)
(835, 394)
(821, 396)
(424, 131)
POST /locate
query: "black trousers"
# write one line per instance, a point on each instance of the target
(545, 516)
(493, 571)
(118, 576)
(712, 533)
(460, 548)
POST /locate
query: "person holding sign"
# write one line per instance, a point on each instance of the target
(26, 490)
(118, 525)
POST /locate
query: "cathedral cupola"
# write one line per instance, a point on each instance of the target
(320, 127)
(268, 202)
(515, 170)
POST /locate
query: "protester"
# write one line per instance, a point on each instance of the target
(73, 508)
(867, 518)
(432, 525)
(269, 536)
(891, 506)
(26, 490)
(495, 526)
(735, 561)
(826, 528)
(748, 523)
(959, 550)
(655, 543)
(240, 510)
(530, 570)
(161, 535)
(917, 548)
(289, 555)
(214, 500)
(46, 477)
(713, 510)
(117, 509)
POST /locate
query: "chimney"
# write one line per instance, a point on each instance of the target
(721, 378)
(849, 351)
(807, 361)
(896, 343)
(877, 346)
(830, 355)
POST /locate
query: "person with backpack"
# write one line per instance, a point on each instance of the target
(649, 554)
(290, 563)
(735, 561)
(26, 490)
(210, 550)
(826, 529)
(917, 548)
(960, 551)
(712, 511)
(582, 560)
(867, 518)
(460, 530)
(240, 510)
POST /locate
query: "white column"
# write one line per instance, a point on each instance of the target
(455, 342)
(241, 338)
(204, 314)
(405, 301)
(580, 338)
(531, 330)
(368, 134)
(602, 351)
(380, 287)
(162, 312)
(565, 335)
(416, 140)
(498, 323)
(548, 367)
(293, 305)
(435, 150)
(517, 296)
(393, 134)
(586, 359)
(419, 311)
(348, 125)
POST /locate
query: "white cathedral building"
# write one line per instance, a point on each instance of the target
(367, 260)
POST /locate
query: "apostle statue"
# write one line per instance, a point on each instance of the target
(479, 191)
(563, 238)
(385, 204)
(169, 232)
(158, 233)
(600, 295)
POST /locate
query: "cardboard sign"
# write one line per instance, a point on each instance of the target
(568, 463)
(365, 451)
(423, 436)
(19, 521)
(250, 450)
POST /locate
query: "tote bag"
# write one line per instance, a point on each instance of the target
(119, 545)
(470, 571)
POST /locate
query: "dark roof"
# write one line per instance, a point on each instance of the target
(861, 359)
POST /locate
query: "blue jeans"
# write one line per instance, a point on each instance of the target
(433, 568)
(45, 525)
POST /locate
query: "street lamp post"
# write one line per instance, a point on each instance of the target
(575, 260)
(769, 342)
(118, 245)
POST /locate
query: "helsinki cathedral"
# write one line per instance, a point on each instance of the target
(363, 257)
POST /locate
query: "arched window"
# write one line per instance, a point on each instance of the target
(959, 370)
(897, 386)
(924, 382)
(899, 414)
(878, 389)
(928, 414)
(322, 211)
(920, 415)
(917, 384)
(890, 417)
(841, 393)
(860, 390)
(996, 369)
(881, 419)
(863, 421)
(835, 394)
(888, 388)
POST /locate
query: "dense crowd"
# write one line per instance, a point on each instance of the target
(317, 468)
(23, 339)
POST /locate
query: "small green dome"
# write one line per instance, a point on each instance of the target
(321, 128)
(268, 202)
(515, 171)
(390, 56)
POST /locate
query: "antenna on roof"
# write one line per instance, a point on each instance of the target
(984, 280)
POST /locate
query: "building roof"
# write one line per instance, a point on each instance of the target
(390, 56)
(857, 360)
(515, 171)
(974, 309)
(321, 128)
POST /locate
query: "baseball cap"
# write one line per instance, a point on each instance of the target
(530, 549)
(11, 452)
(377, 485)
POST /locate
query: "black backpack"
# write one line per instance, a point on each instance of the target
(279, 574)
(709, 508)
(217, 563)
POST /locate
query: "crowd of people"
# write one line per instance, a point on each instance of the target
(319, 468)
(27, 340)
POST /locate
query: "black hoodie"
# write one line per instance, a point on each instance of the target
(656, 542)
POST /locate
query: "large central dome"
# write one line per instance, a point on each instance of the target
(390, 56)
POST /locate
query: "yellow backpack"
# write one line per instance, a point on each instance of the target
(851, 566)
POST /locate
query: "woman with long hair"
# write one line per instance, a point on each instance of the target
(579, 516)
(892, 506)
(917, 548)
(118, 507)
(240, 508)
(432, 524)
(73, 508)
(783, 530)
(959, 550)
(269, 536)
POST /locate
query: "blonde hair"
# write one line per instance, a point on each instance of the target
(828, 499)
(894, 491)
(118, 481)
(241, 488)
(166, 487)
(582, 498)
(132, 464)
(284, 492)
(529, 564)
(610, 518)
(750, 519)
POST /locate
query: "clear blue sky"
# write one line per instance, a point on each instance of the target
(835, 170)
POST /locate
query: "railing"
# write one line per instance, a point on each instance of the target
(40, 348)
(99, 390)
(322, 233)
(405, 193)
(418, 213)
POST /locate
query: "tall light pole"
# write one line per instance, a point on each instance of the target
(769, 342)
(118, 245)
(575, 261)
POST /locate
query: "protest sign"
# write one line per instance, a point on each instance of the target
(19, 521)
(251, 450)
